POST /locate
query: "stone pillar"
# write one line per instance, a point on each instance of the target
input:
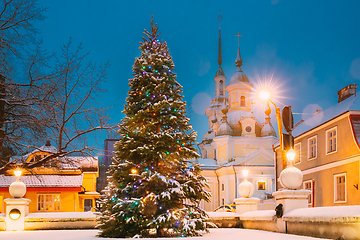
(246, 204)
(20, 204)
(290, 199)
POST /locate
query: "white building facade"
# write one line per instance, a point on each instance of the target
(236, 141)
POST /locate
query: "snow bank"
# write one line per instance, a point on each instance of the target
(222, 215)
(263, 215)
(61, 215)
(324, 214)
(215, 234)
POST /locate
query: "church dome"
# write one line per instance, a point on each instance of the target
(224, 129)
(239, 76)
(267, 129)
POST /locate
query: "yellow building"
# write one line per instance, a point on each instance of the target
(328, 152)
(65, 184)
(236, 141)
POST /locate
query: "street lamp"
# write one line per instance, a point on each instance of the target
(291, 177)
(265, 96)
(17, 189)
(246, 188)
(291, 156)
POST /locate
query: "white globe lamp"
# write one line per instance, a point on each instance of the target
(246, 188)
(17, 189)
(291, 177)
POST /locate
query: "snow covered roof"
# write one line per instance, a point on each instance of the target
(350, 104)
(44, 180)
(207, 163)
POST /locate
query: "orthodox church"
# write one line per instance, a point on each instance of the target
(236, 140)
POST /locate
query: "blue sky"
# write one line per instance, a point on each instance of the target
(310, 48)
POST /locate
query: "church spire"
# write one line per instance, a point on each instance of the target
(220, 72)
(238, 61)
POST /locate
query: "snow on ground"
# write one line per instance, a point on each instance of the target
(62, 215)
(215, 234)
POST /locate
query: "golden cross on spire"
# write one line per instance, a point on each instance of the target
(220, 18)
(238, 35)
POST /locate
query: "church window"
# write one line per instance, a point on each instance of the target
(221, 88)
(248, 129)
(222, 187)
(261, 186)
(242, 101)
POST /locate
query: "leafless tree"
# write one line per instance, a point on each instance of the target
(44, 97)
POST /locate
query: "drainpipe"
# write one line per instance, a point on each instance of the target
(235, 181)
(217, 176)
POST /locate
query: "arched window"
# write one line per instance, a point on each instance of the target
(242, 101)
(221, 87)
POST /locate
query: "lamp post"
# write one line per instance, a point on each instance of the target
(246, 188)
(291, 177)
(265, 95)
(17, 189)
(17, 207)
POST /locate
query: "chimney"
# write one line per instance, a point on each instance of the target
(347, 92)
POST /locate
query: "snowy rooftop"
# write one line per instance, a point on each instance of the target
(44, 180)
(208, 163)
(350, 104)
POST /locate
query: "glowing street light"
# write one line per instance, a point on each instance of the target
(245, 173)
(291, 156)
(17, 173)
(265, 96)
(17, 189)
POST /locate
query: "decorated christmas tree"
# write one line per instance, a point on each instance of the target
(154, 189)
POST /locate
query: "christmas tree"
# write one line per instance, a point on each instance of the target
(154, 189)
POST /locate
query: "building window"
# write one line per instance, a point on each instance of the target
(297, 148)
(222, 187)
(331, 140)
(223, 201)
(248, 129)
(48, 202)
(242, 101)
(312, 148)
(88, 205)
(261, 186)
(340, 188)
(214, 154)
(309, 185)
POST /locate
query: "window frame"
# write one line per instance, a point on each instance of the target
(316, 146)
(311, 196)
(241, 98)
(327, 140)
(53, 202)
(335, 188)
(257, 185)
(296, 144)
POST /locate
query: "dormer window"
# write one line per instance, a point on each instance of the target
(242, 101)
